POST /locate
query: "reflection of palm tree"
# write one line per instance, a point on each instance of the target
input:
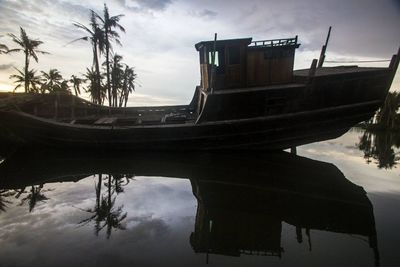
(36, 195)
(121, 180)
(30, 48)
(3, 201)
(104, 213)
(387, 114)
(27, 78)
(379, 146)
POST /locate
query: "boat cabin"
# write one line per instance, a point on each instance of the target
(238, 63)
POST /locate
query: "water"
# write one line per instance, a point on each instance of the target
(335, 204)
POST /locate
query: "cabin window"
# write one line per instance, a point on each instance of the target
(219, 61)
(216, 63)
(234, 55)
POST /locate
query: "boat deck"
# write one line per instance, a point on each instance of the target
(325, 71)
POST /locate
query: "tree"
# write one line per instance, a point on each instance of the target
(30, 49)
(128, 85)
(52, 80)
(96, 38)
(76, 83)
(117, 74)
(96, 95)
(109, 26)
(27, 79)
(122, 81)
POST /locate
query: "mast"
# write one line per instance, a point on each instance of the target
(213, 64)
(323, 50)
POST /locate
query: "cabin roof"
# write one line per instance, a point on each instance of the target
(220, 43)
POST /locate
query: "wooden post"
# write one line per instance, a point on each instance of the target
(213, 64)
(323, 50)
(72, 107)
(394, 63)
(313, 68)
(56, 105)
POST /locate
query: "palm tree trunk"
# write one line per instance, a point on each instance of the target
(108, 65)
(98, 83)
(98, 191)
(26, 72)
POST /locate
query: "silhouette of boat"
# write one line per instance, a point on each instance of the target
(243, 199)
(249, 98)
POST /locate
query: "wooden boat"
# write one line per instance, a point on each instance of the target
(249, 98)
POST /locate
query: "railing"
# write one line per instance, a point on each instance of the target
(274, 42)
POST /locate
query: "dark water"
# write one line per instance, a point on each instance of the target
(336, 203)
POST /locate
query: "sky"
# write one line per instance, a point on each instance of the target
(160, 36)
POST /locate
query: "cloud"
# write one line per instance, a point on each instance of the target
(161, 33)
(145, 6)
(205, 13)
(6, 66)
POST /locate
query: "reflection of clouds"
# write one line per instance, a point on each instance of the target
(160, 217)
(350, 160)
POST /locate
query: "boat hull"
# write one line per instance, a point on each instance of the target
(271, 132)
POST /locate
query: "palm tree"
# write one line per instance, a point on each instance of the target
(76, 83)
(96, 37)
(96, 95)
(109, 24)
(63, 87)
(128, 85)
(30, 48)
(117, 73)
(27, 79)
(3, 49)
(52, 80)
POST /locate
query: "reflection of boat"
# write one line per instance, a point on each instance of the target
(242, 198)
(249, 98)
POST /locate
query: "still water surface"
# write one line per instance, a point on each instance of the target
(336, 203)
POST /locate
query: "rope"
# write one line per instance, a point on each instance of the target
(357, 61)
